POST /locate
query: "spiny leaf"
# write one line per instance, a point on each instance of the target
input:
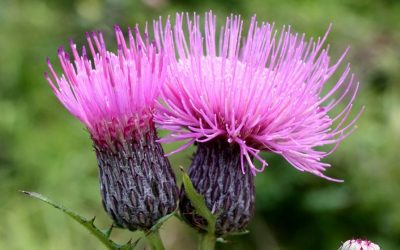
(88, 224)
(108, 231)
(179, 217)
(198, 203)
(130, 245)
(92, 220)
(161, 221)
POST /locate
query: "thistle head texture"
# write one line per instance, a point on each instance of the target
(115, 93)
(358, 244)
(114, 96)
(264, 91)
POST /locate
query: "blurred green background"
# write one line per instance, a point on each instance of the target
(45, 149)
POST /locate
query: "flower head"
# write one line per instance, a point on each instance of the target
(358, 244)
(114, 96)
(266, 91)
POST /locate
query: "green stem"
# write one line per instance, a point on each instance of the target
(155, 240)
(207, 242)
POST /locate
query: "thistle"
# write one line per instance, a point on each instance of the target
(113, 95)
(358, 244)
(240, 95)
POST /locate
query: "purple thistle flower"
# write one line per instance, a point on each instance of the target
(358, 244)
(114, 95)
(262, 92)
(265, 91)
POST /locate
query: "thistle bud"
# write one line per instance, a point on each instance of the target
(358, 244)
(216, 174)
(136, 180)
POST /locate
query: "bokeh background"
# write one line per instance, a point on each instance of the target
(44, 149)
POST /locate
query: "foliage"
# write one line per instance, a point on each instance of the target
(102, 235)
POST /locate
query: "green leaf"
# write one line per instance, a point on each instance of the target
(155, 241)
(198, 203)
(108, 231)
(223, 240)
(102, 236)
(129, 245)
(179, 217)
(161, 221)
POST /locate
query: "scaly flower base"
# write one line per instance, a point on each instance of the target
(229, 194)
(136, 181)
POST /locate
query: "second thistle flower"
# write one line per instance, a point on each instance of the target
(240, 95)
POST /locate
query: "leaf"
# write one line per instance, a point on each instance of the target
(130, 245)
(108, 231)
(103, 236)
(179, 217)
(198, 203)
(223, 240)
(161, 221)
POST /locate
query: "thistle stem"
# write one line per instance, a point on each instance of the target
(207, 242)
(155, 240)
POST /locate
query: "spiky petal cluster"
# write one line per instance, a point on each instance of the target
(264, 91)
(113, 93)
(358, 244)
(114, 96)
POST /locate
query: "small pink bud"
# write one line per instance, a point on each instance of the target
(358, 244)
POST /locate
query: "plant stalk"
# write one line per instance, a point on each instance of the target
(207, 242)
(155, 240)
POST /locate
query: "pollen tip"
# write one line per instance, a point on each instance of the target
(136, 29)
(71, 42)
(60, 50)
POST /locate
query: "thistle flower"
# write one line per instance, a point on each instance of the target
(240, 95)
(359, 245)
(113, 95)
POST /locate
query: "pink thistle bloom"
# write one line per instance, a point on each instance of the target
(358, 244)
(114, 96)
(264, 91)
(114, 93)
